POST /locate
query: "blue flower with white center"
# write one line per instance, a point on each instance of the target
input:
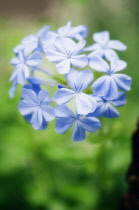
(35, 108)
(66, 54)
(33, 42)
(66, 118)
(105, 47)
(78, 32)
(107, 86)
(105, 107)
(78, 81)
(22, 62)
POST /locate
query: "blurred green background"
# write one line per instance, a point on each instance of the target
(41, 170)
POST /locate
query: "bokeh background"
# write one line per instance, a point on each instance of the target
(44, 170)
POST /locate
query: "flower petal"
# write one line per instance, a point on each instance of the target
(34, 59)
(95, 46)
(48, 113)
(54, 56)
(83, 104)
(106, 87)
(64, 95)
(30, 96)
(110, 111)
(120, 100)
(79, 81)
(117, 65)
(123, 81)
(110, 54)
(78, 132)
(98, 64)
(90, 124)
(43, 95)
(36, 119)
(64, 124)
(25, 108)
(101, 37)
(64, 66)
(64, 111)
(79, 61)
(117, 45)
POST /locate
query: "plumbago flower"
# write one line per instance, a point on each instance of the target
(78, 32)
(32, 41)
(34, 106)
(92, 99)
(78, 81)
(106, 108)
(66, 53)
(66, 118)
(22, 62)
(107, 86)
(105, 47)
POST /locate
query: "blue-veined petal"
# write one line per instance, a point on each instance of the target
(98, 64)
(79, 47)
(30, 96)
(110, 111)
(48, 113)
(117, 45)
(64, 95)
(90, 124)
(64, 124)
(79, 80)
(64, 111)
(120, 100)
(101, 37)
(64, 66)
(25, 108)
(14, 61)
(34, 59)
(117, 65)
(105, 86)
(36, 119)
(93, 47)
(83, 104)
(80, 61)
(78, 132)
(13, 89)
(43, 96)
(123, 81)
(110, 54)
(99, 110)
(54, 56)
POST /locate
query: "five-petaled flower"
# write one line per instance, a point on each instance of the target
(66, 54)
(106, 108)
(22, 62)
(78, 81)
(105, 47)
(35, 108)
(77, 32)
(107, 86)
(66, 118)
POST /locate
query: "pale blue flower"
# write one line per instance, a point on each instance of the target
(66, 118)
(105, 47)
(66, 54)
(35, 108)
(22, 62)
(106, 108)
(34, 42)
(79, 32)
(107, 86)
(78, 81)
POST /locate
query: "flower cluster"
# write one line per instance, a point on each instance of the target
(73, 80)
